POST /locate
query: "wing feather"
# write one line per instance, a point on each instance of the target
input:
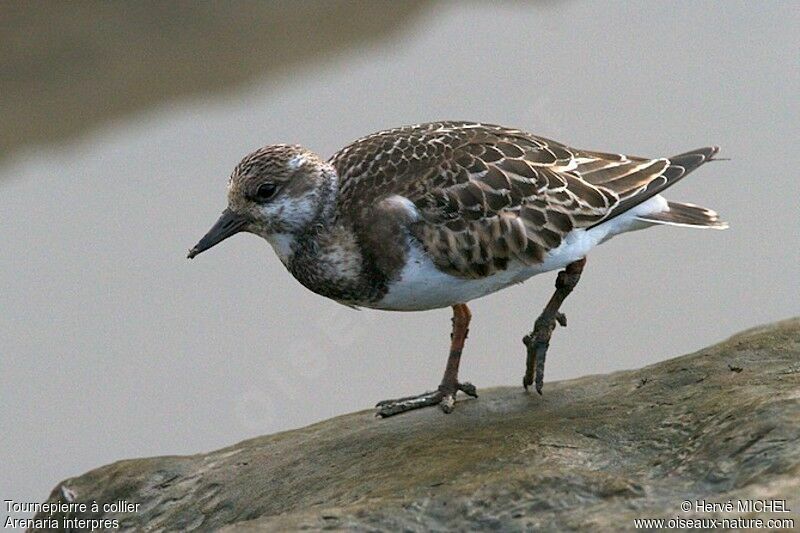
(486, 194)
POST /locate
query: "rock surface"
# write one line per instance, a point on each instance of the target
(594, 452)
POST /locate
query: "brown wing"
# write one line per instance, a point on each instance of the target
(487, 194)
(634, 179)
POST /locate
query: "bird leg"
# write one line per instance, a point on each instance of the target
(538, 340)
(445, 395)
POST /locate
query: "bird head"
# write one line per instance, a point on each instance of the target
(274, 192)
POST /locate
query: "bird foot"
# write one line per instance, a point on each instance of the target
(537, 342)
(444, 396)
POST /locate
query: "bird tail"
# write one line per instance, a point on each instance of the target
(678, 167)
(686, 215)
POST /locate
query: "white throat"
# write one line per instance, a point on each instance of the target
(282, 244)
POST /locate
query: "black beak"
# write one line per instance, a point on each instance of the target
(229, 223)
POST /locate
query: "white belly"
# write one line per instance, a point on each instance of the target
(422, 286)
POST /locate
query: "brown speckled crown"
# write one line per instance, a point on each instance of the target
(487, 194)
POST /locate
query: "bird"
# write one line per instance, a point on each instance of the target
(435, 215)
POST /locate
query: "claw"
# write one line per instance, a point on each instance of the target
(403, 399)
(534, 363)
(401, 405)
(538, 340)
(445, 397)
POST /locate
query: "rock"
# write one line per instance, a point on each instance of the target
(596, 452)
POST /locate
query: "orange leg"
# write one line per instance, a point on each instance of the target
(445, 395)
(538, 340)
(461, 318)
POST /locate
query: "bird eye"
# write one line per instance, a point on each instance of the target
(265, 191)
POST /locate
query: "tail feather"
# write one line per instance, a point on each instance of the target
(686, 215)
(678, 167)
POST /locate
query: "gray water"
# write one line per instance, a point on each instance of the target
(115, 346)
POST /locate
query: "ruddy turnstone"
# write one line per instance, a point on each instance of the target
(435, 215)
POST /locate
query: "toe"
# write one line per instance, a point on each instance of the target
(468, 389)
(447, 403)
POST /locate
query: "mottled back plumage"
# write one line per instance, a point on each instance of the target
(487, 194)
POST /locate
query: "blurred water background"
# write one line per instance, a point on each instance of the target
(120, 123)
